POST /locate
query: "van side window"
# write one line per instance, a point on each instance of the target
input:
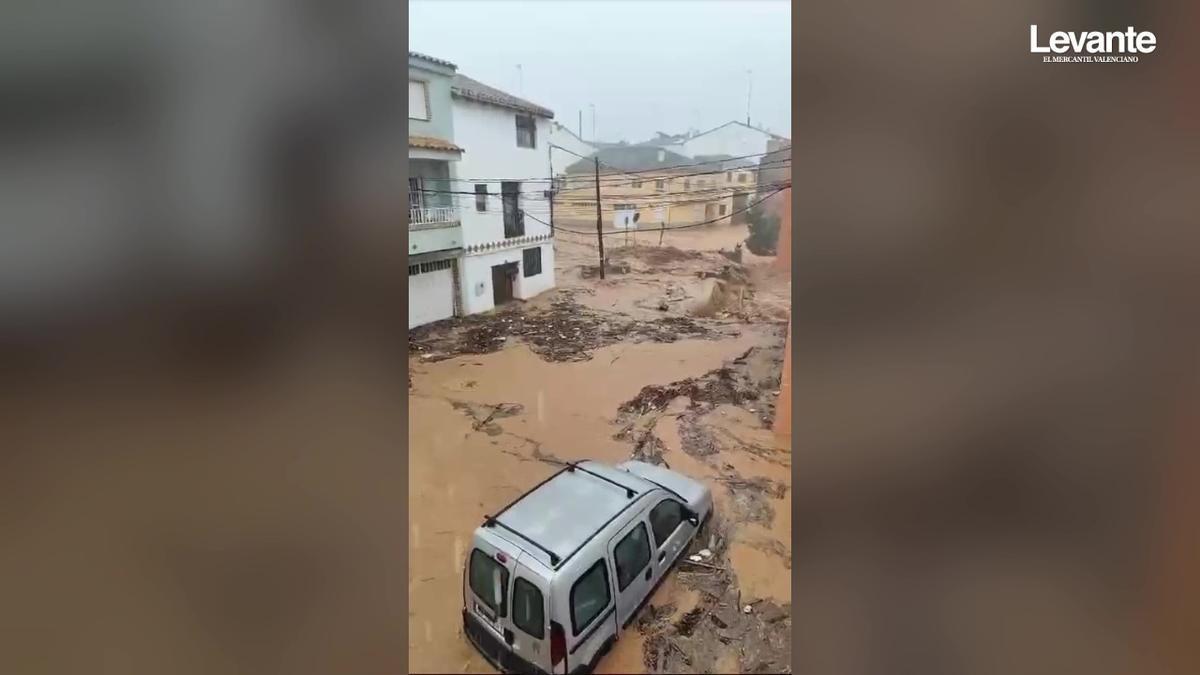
(528, 611)
(589, 596)
(631, 555)
(664, 518)
(489, 580)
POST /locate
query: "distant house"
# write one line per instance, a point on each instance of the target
(672, 142)
(734, 139)
(573, 147)
(660, 186)
(508, 246)
(435, 233)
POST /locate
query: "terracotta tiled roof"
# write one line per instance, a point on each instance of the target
(465, 87)
(419, 55)
(431, 143)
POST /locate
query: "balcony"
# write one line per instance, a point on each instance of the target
(427, 217)
(433, 228)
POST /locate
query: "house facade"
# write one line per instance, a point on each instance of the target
(733, 139)
(435, 232)
(572, 148)
(508, 246)
(658, 186)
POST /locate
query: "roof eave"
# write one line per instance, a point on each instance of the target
(540, 112)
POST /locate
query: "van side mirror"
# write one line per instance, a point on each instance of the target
(692, 517)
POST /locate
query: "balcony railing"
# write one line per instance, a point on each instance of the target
(433, 215)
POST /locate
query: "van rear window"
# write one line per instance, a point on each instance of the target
(489, 581)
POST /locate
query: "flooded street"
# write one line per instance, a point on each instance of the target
(679, 365)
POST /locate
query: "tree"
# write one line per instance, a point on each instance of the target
(764, 231)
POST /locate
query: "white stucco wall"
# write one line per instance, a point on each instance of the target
(477, 275)
(571, 143)
(734, 140)
(488, 135)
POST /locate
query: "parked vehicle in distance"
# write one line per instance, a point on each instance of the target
(552, 578)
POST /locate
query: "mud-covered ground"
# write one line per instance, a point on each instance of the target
(674, 358)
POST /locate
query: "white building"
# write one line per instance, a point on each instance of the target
(733, 139)
(573, 147)
(435, 233)
(508, 249)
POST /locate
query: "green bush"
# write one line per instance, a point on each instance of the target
(764, 231)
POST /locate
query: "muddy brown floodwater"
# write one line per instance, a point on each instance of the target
(487, 423)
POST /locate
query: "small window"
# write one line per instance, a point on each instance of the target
(686, 184)
(489, 581)
(722, 209)
(532, 257)
(637, 183)
(526, 132)
(632, 555)
(728, 176)
(659, 185)
(481, 197)
(741, 178)
(418, 100)
(664, 518)
(589, 596)
(529, 611)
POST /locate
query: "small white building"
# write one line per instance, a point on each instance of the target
(508, 249)
(732, 139)
(570, 148)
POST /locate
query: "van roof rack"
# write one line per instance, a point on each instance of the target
(555, 559)
(490, 521)
(629, 492)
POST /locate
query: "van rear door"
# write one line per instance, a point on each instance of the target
(488, 584)
(529, 616)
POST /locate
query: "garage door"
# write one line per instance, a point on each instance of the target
(430, 292)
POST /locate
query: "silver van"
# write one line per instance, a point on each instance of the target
(552, 578)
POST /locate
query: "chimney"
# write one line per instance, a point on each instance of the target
(662, 155)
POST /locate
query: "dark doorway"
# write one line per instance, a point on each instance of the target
(503, 277)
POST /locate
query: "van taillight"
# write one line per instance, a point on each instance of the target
(558, 645)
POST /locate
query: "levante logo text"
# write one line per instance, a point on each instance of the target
(1094, 46)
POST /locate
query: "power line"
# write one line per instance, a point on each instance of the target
(585, 182)
(692, 164)
(716, 192)
(630, 172)
(668, 229)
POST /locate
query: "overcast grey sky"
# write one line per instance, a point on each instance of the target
(648, 66)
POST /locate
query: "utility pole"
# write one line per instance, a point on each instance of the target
(599, 223)
(550, 163)
(749, 88)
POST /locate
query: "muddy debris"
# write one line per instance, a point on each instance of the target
(657, 256)
(484, 415)
(564, 331)
(695, 438)
(694, 642)
(721, 385)
(593, 271)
